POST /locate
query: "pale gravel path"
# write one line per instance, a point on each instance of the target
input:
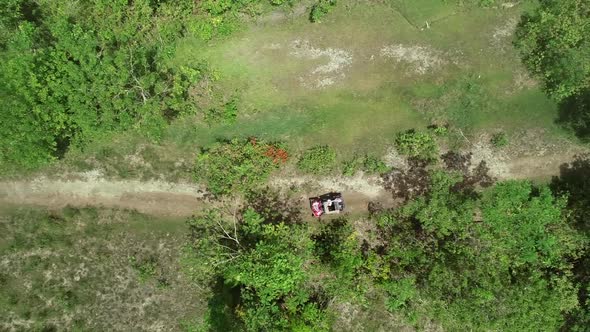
(184, 199)
(163, 198)
(152, 197)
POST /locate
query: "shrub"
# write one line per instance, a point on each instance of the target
(238, 165)
(226, 114)
(417, 145)
(146, 269)
(320, 9)
(374, 165)
(350, 167)
(499, 140)
(400, 292)
(369, 164)
(320, 159)
(439, 130)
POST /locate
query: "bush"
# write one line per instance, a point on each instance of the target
(320, 159)
(320, 9)
(146, 269)
(238, 165)
(226, 114)
(400, 292)
(417, 145)
(439, 130)
(374, 165)
(499, 140)
(369, 164)
(350, 167)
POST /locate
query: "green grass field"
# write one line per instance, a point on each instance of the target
(333, 83)
(376, 96)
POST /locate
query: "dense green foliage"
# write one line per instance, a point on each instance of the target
(417, 145)
(574, 182)
(514, 255)
(317, 160)
(321, 9)
(264, 262)
(369, 164)
(72, 72)
(499, 258)
(237, 165)
(555, 43)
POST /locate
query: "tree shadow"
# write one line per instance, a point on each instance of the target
(222, 308)
(275, 207)
(574, 114)
(31, 12)
(574, 182)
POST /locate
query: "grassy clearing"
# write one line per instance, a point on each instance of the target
(366, 73)
(92, 269)
(477, 87)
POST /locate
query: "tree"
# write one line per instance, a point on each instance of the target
(555, 45)
(526, 226)
(85, 70)
(574, 183)
(497, 259)
(265, 262)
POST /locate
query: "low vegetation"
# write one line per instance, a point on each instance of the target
(320, 9)
(238, 165)
(417, 145)
(317, 160)
(91, 269)
(368, 164)
(499, 140)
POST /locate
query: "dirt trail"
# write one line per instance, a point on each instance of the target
(183, 199)
(161, 198)
(151, 197)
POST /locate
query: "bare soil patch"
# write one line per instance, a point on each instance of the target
(326, 74)
(421, 59)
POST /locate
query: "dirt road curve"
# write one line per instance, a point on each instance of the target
(184, 199)
(158, 197)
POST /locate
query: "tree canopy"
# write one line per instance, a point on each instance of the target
(500, 258)
(74, 71)
(555, 45)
